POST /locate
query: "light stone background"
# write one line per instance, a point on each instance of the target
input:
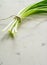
(29, 47)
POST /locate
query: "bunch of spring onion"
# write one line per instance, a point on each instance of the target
(40, 7)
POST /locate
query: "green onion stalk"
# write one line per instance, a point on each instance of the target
(40, 7)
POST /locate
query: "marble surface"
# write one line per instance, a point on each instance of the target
(29, 47)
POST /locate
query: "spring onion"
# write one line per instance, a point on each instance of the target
(40, 7)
